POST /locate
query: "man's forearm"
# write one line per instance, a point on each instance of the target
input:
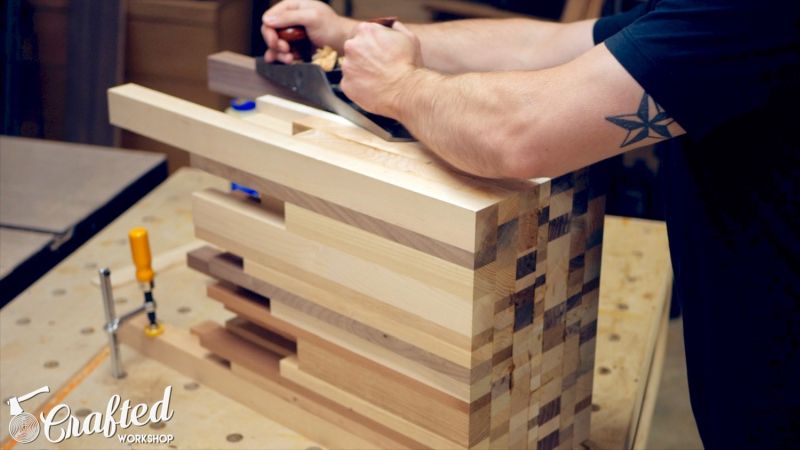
(474, 121)
(525, 124)
(483, 45)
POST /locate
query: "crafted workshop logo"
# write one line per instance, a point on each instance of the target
(23, 427)
(59, 424)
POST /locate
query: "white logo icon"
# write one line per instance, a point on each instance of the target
(23, 427)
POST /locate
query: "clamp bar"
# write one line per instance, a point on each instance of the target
(112, 323)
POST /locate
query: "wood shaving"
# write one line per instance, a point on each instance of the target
(325, 57)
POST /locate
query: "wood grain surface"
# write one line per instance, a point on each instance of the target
(518, 308)
(319, 164)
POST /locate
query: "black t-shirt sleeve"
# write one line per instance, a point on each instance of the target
(707, 62)
(608, 26)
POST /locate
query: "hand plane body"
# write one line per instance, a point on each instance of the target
(321, 89)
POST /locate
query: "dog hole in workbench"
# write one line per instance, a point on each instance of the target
(52, 364)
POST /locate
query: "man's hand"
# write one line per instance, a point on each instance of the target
(322, 24)
(378, 65)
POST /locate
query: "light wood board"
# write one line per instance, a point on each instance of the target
(402, 190)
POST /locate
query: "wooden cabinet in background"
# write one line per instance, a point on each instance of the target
(166, 45)
(166, 49)
(50, 22)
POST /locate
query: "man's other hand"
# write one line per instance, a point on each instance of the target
(323, 26)
(378, 64)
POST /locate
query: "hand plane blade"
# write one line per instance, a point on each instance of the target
(313, 84)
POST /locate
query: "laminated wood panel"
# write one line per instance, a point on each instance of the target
(532, 401)
(252, 308)
(284, 304)
(535, 398)
(394, 323)
(262, 237)
(422, 366)
(434, 372)
(182, 351)
(397, 327)
(339, 213)
(389, 390)
(290, 369)
(399, 258)
(384, 263)
(318, 164)
(401, 394)
(262, 337)
(265, 365)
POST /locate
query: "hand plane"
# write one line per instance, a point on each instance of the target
(321, 88)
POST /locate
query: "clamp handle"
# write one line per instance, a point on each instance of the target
(140, 250)
(299, 43)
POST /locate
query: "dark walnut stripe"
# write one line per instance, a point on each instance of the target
(580, 202)
(544, 215)
(562, 184)
(550, 411)
(559, 227)
(526, 265)
(583, 404)
(549, 442)
(588, 331)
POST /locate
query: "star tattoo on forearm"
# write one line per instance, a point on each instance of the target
(641, 125)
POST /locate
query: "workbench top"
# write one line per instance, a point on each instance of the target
(52, 333)
(54, 195)
(36, 175)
